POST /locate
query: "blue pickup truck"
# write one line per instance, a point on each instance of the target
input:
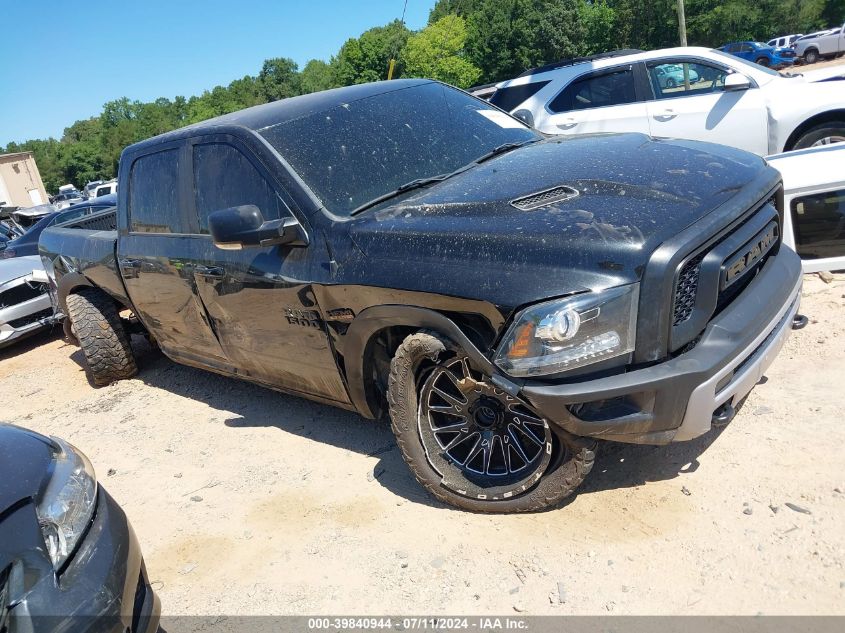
(761, 54)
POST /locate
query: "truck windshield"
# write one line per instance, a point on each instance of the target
(356, 152)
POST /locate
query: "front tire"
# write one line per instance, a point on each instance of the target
(471, 445)
(762, 61)
(822, 134)
(811, 56)
(104, 340)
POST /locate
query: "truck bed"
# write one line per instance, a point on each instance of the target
(84, 247)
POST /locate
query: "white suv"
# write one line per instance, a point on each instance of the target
(719, 98)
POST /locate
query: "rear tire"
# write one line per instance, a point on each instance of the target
(811, 56)
(542, 480)
(102, 336)
(822, 134)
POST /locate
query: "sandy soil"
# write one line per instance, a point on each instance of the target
(250, 502)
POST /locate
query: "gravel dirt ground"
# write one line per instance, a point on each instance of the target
(250, 502)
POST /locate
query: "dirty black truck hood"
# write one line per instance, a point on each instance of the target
(633, 193)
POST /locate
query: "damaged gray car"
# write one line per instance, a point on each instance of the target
(25, 304)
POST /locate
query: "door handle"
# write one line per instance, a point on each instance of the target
(568, 123)
(214, 272)
(666, 115)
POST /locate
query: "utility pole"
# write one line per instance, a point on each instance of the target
(682, 23)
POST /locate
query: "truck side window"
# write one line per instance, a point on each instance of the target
(818, 221)
(597, 91)
(224, 177)
(154, 193)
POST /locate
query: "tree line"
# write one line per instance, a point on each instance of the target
(466, 42)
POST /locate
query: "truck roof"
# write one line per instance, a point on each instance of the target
(269, 114)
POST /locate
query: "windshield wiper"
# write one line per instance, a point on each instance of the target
(418, 183)
(501, 149)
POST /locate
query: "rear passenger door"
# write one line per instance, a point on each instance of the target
(153, 258)
(260, 301)
(609, 100)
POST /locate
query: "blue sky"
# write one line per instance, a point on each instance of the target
(62, 61)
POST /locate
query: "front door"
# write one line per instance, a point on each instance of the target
(153, 258)
(602, 101)
(260, 300)
(690, 102)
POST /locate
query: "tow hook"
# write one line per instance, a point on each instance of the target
(723, 415)
(799, 321)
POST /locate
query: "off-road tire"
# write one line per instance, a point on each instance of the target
(102, 336)
(556, 484)
(819, 132)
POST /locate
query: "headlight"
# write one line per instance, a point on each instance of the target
(9, 253)
(561, 335)
(67, 505)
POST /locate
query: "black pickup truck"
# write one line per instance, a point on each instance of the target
(404, 248)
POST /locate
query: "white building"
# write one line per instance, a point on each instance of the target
(20, 181)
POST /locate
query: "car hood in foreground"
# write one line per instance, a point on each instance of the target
(633, 193)
(25, 459)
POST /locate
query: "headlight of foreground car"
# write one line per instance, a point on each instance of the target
(67, 505)
(9, 253)
(561, 335)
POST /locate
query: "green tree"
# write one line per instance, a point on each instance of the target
(316, 76)
(462, 8)
(437, 52)
(279, 78)
(600, 33)
(366, 58)
(506, 37)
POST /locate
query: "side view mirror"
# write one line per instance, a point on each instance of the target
(737, 81)
(525, 116)
(244, 226)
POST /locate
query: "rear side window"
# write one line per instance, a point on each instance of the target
(224, 177)
(154, 194)
(597, 91)
(510, 97)
(818, 222)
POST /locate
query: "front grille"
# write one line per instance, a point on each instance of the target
(21, 293)
(687, 289)
(700, 292)
(544, 198)
(29, 319)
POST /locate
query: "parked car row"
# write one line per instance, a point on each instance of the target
(69, 195)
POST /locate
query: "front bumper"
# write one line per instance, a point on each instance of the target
(675, 400)
(104, 588)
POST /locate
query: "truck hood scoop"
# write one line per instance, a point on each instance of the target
(544, 198)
